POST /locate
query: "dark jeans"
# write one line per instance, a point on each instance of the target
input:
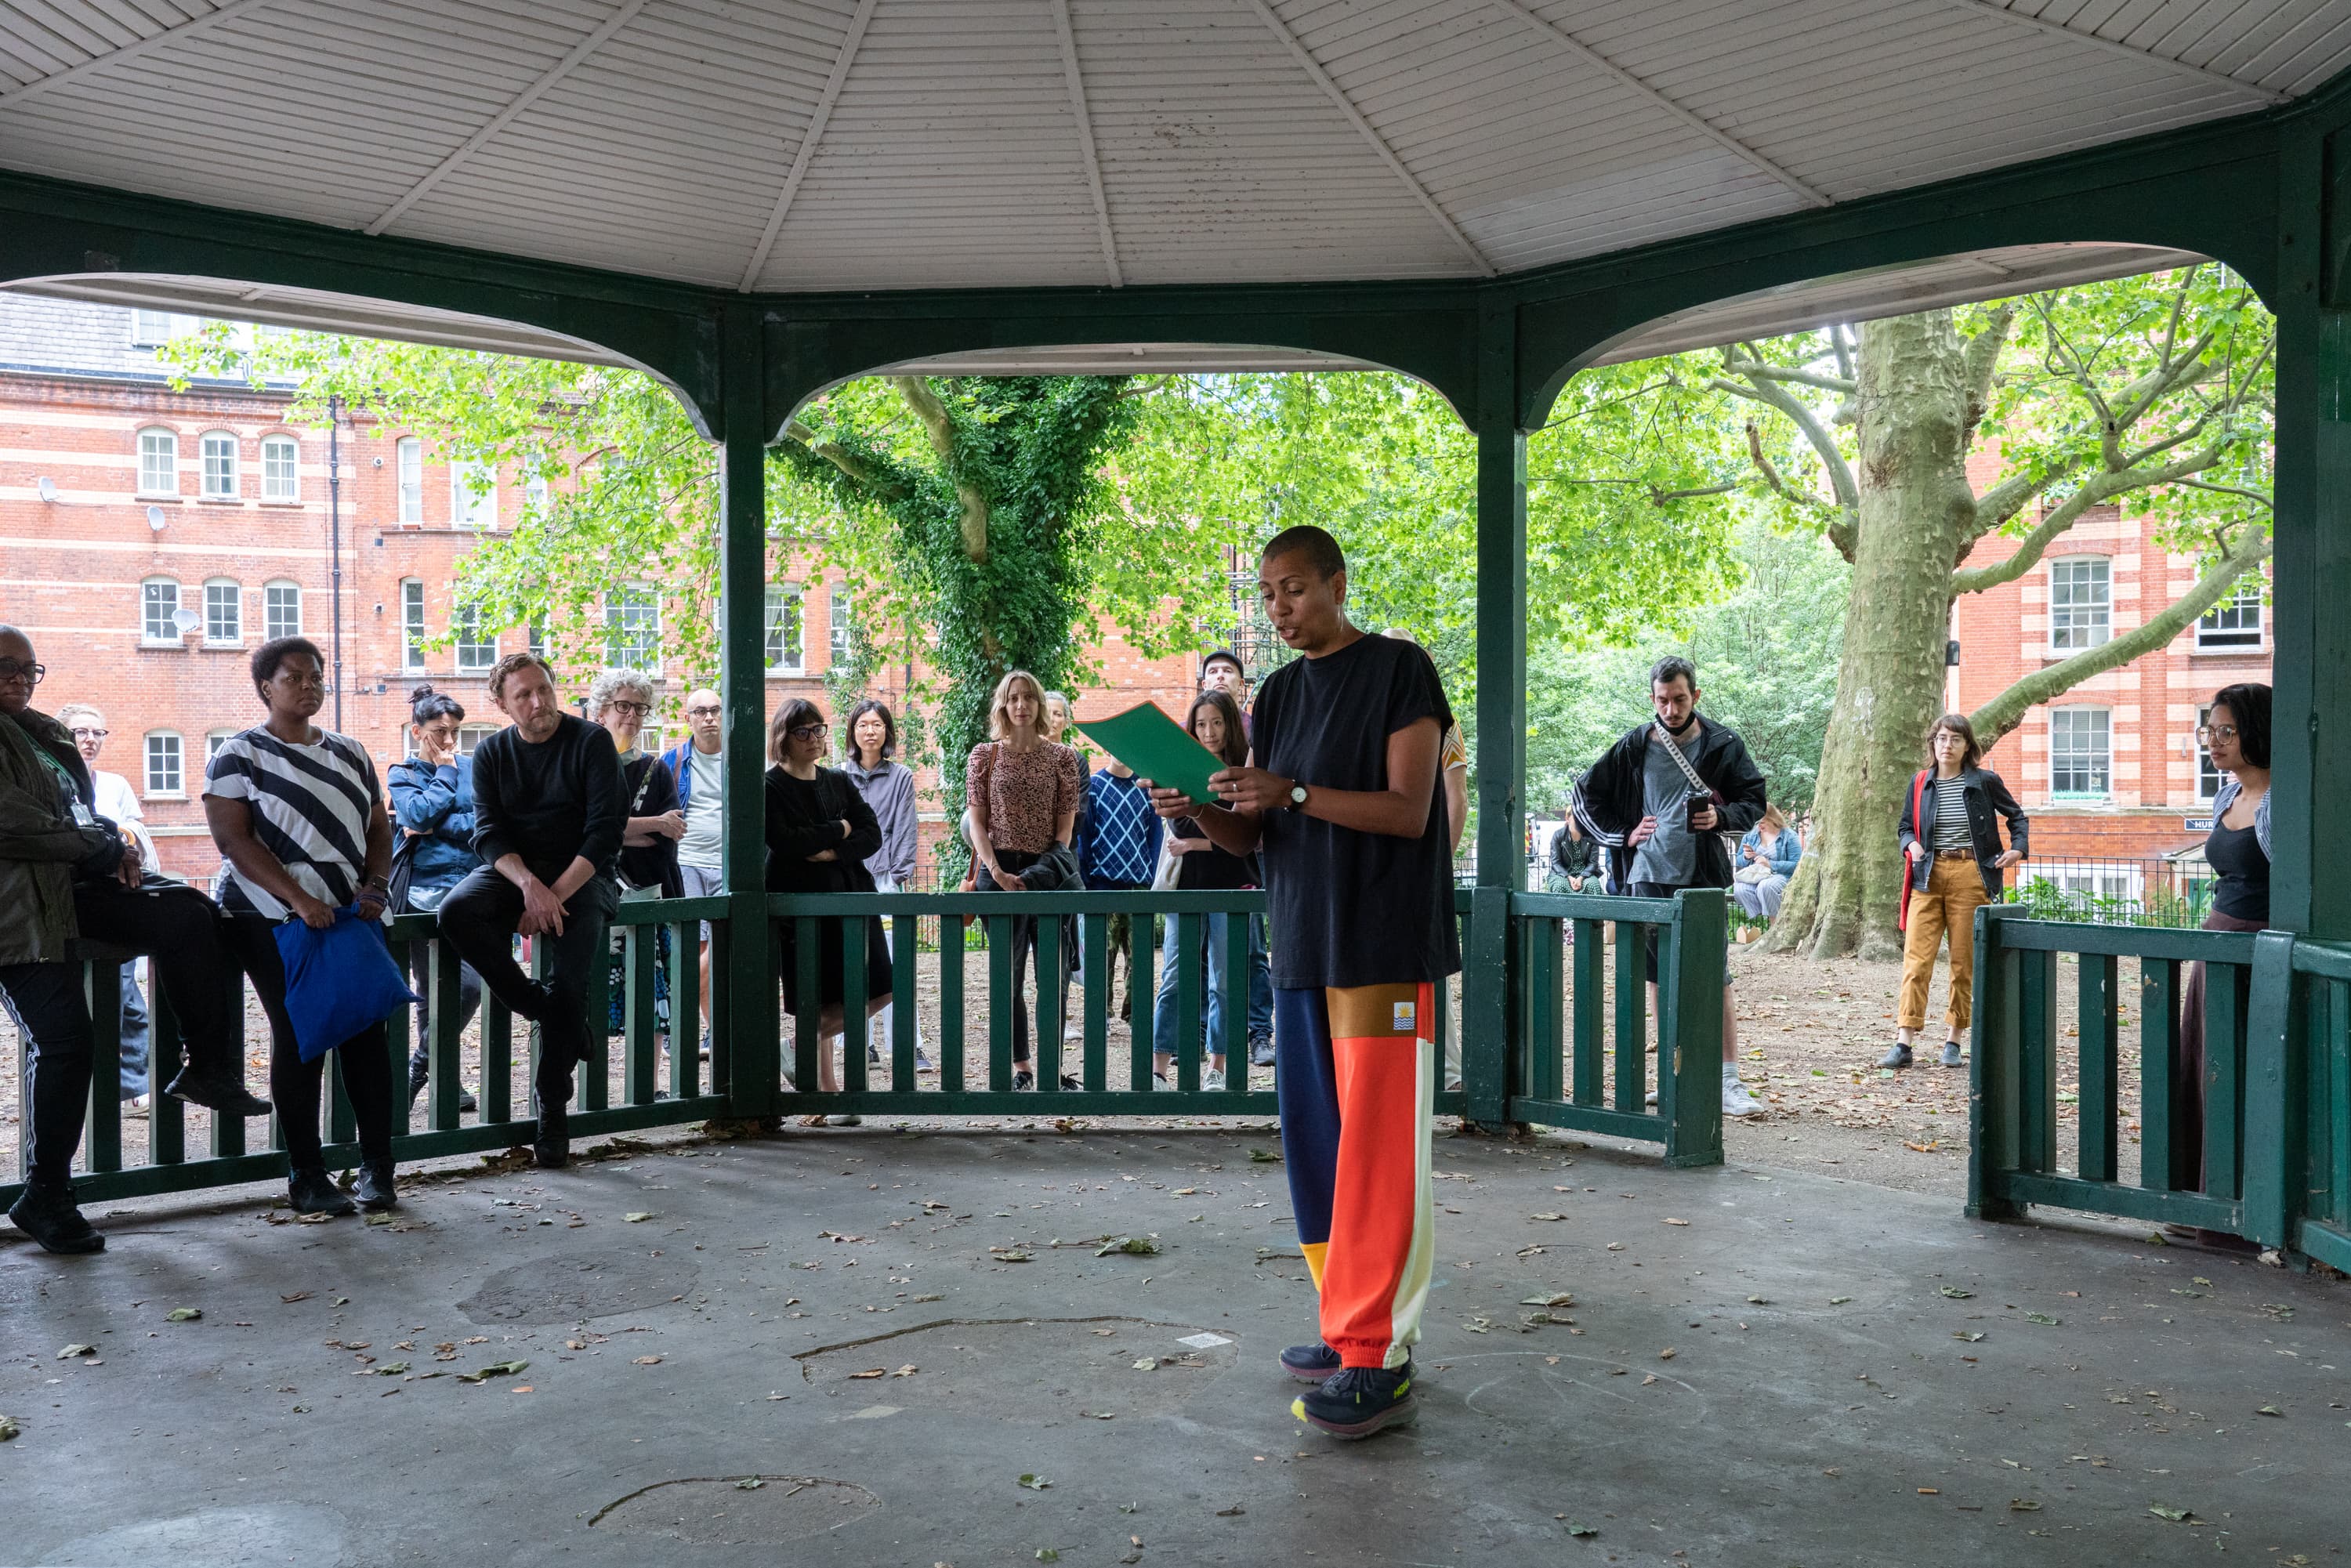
(134, 1035)
(294, 1083)
(470, 1002)
(47, 1002)
(179, 929)
(478, 918)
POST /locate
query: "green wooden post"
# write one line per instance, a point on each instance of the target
(2275, 1177)
(1991, 1071)
(2097, 1110)
(1689, 1051)
(102, 992)
(2159, 1021)
(1489, 1016)
(753, 1058)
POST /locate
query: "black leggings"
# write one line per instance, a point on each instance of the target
(293, 1083)
(1024, 947)
(45, 999)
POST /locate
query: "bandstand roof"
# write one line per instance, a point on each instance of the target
(826, 145)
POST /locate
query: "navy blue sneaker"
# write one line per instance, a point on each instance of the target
(1359, 1401)
(1311, 1363)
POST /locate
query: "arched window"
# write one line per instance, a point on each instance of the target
(412, 480)
(223, 612)
(159, 603)
(411, 624)
(282, 609)
(159, 462)
(281, 457)
(218, 448)
(163, 759)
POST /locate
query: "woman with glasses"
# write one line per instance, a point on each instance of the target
(820, 832)
(2236, 734)
(433, 810)
(1949, 837)
(654, 821)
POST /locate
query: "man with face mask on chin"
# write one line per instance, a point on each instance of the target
(1659, 803)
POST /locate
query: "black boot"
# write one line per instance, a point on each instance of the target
(47, 1213)
(216, 1091)
(551, 1149)
(374, 1187)
(311, 1192)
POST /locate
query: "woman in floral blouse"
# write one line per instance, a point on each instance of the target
(1023, 790)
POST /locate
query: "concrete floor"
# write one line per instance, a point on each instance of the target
(1779, 1381)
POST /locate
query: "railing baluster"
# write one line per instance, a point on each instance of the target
(2158, 1115)
(2331, 1045)
(1142, 992)
(2036, 1067)
(1189, 950)
(443, 976)
(2098, 1076)
(102, 987)
(1049, 970)
(640, 1039)
(342, 1126)
(594, 1075)
(807, 1009)
(1093, 981)
(1538, 1064)
(498, 1061)
(1234, 1042)
(1591, 1002)
(1003, 991)
(167, 1134)
(2224, 1079)
(1632, 1017)
(954, 930)
(685, 1009)
(904, 940)
(854, 1030)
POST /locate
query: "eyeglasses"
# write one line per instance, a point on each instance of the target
(638, 709)
(31, 674)
(806, 731)
(703, 712)
(2206, 734)
(84, 732)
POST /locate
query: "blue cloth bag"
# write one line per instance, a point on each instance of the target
(338, 981)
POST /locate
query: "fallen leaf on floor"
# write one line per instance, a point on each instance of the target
(1648, 1378)
(1034, 1482)
(1546, 1217)
(1047, 1555)
(1839, 1300)
(1957, 1294)
(1233, 1512)
(2176, 1515)
(297, 1296)
(1757, 1301)
(1667, 1354)
(72, 1351)
(637, 1217)
(1264, 1157)
(1581, 1530)
(1970, 1336)
(870, 1372)
(496, 1369)
(184, 1314)
(1148, 1364)
(1561, 1299)
(2041, 1318)
(1012, 1256)
(1616, 1247)
(1132, 1246)
(2022, 1505)
(1930, 1491)
(2269, 1410)
(750, 1483)
(646, 1361)
(1676, 1222)
(1478, 1325)
(1530, 1252)
(906, 1371)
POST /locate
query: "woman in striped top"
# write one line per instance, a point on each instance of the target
(298, 812)
(1950, 846)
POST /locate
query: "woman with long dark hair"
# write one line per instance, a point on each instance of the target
(820, 832)
(2236, 736)
(1215, 721)
(888, 787)
(1950, 846)
(433, 811)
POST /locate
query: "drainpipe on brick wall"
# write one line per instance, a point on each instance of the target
(335, 546)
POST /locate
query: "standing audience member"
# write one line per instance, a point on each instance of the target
(1661, 799)
(298, 813)
(1023, 789)
(888, 787)
(651, 824)
(698, 765)
(547, 812)
(432, 808)
(1949, 837)
(113, 799)
(1061, 726)
(1202, 866)
(1766, 859)
(1222, 671)
(820, 832)
(2236, 734)
(1120, 855)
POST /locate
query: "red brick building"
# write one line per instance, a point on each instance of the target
(2110, 772)
(151, 539)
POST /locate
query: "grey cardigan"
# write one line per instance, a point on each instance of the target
(889, 791)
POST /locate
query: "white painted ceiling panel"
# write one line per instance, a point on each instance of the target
(1231, 140)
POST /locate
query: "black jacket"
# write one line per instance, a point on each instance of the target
(1988, 800)
(1572, 856)
(1607, 799)
(794, 834)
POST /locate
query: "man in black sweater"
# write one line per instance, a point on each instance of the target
(546, 825)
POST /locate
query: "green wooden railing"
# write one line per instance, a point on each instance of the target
(952, 952)
(2277, 1085)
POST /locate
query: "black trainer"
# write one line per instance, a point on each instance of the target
(1359, 1401)
(1024, 1079)
(374, 1187)
(215, 1092)
(311, 1193)
(50, 1216)
(1311, 1363)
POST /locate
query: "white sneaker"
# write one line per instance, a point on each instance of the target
(1737, 1100)
(1211, 1081)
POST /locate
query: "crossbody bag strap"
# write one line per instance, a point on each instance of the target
(1674, 750)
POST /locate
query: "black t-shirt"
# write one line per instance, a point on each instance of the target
(1212, 869)
(1344, 907)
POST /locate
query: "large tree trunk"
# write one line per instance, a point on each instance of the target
(1914, 507)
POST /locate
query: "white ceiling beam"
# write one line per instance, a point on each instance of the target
(1086, 138)
(1346, 105)
(504, 117)
(2144, 57)
(1563, 38)
(808, 140)
(192, 27)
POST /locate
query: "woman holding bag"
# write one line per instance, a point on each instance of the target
(298, 815)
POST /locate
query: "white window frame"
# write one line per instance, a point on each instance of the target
(411, 625)
(281, 468)
(470, 735)
(219, 592)
(839, 615)
(2090, 624)
(536, 494)
(213, 740)
(2243, 602)
(216, 466)
(2207, 778)
(152, 329)
(408, 471)
(163, 750)
(2072, 714)
(781, 595)
(475, 654)
(467, 508)
(278, 597)
(633, 628)
(159, 461)
(155, 627)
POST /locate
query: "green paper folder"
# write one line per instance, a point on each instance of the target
(1157, 747)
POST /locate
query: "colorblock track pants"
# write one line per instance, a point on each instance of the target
(1356, 1075)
